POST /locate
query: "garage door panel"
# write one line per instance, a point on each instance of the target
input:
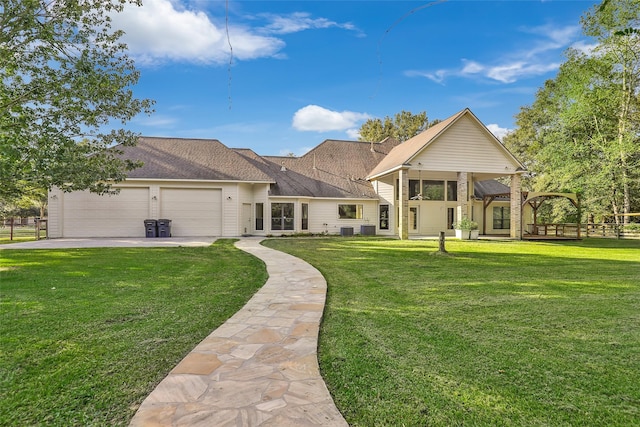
(90, 215)
(193, 212)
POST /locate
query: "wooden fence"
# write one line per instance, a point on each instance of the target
(608, 230)
(577, 231)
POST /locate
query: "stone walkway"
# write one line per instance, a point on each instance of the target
(258, 369)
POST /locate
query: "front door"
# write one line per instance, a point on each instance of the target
(246, 218)
(413, 220)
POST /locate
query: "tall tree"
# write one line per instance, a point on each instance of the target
(65, 85)
(402, 126)
(582, 133)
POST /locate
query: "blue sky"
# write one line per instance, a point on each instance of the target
(305, 71)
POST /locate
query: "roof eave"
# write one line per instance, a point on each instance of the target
(405, 165)
(201, 180)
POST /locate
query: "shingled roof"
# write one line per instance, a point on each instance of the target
(334, 168)
(491, 187)
(197, 159)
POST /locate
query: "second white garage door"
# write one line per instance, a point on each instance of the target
(192, 211)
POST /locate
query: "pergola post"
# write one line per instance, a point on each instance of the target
(403, 206)
(516, 207)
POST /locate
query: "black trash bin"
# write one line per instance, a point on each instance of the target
(164, 228)
(151, 228)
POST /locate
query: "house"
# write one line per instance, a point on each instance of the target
(415, 188)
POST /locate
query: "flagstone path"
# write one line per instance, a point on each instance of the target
(260, 368)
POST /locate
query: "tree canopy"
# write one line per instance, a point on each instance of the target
(582, 133)
(65, 88)
(402, 126)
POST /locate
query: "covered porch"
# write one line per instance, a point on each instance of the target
(531, 228)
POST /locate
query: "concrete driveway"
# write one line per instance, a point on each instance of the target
(122, 242)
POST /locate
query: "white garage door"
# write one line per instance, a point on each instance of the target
(122, 215)
(193, 212)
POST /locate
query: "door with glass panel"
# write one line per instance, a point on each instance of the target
(282, 216)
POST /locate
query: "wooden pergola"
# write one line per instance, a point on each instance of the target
(535, 199)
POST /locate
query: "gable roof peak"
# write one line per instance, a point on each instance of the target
(402, 154)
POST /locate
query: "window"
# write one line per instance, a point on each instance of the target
(451, 218)
(282, 216)
(384, 217)
(452, 191)
(413, 218)
(350, 211)
(305, 216)
(432, 190)
(414, 189)
(259, 216)
(501, 218)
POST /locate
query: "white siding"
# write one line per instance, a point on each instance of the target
(386, 191)
(91, 215)
(465, 147)
(54, 214)
(432, 217)
(231, 211)
(193, 211)
(323, 212)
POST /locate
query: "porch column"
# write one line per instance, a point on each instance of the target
(463, 196)
(516, 207)
(403, 205)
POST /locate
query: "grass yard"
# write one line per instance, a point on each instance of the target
(86, 334)
(500, 333)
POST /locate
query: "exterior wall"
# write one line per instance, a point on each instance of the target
(386, 191)
(432, 217)
(323, 215)
(82, 214)
(54, 229)
(465, 147)
(477, 208)
(193, 211)
(252, 194)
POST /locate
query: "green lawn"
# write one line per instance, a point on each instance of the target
(500, 333)
(86, 334)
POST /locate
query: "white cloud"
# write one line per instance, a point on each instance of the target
(511, 72)
(533, 60)
(300, 21)
(166, 30)
(319, 119)
(159, 32)
(584, 47)
(353, 133)
(498, 131)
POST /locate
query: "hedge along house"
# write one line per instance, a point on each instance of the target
(415, 188)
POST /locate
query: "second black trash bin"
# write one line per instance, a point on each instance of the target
(151, 228)
(164, 228)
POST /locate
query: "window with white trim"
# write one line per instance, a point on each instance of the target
(349, 211)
